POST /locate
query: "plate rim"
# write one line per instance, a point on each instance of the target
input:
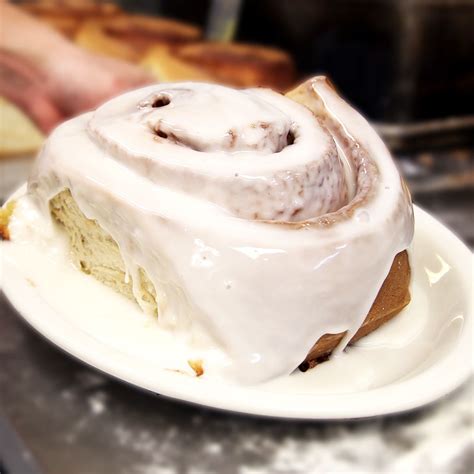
(26, 301)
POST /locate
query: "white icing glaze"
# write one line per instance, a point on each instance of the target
(185, 208)
(240, 132)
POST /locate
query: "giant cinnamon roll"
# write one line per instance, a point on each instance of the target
(269, 224)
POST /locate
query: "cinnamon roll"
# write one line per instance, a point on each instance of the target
(128, 37)
(269, 224)
(235, 64)
(166, 66)
(67, 16)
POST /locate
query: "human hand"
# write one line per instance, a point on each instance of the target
(71, 82)
(24, 85)
(80, 81)
(49, 77)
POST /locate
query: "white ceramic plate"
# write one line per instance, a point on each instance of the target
(418, 357)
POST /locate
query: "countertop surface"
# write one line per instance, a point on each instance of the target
(72, 419)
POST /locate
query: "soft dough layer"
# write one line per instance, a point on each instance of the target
(96, 253)
(266, 237)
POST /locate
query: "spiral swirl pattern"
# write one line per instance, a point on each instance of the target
(253, 152)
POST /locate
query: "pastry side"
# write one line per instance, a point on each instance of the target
(392, 297)
(96, 253)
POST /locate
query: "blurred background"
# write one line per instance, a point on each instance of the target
(407, 65)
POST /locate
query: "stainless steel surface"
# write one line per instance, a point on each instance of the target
(78, 421)
(14, 455)
(440, 132)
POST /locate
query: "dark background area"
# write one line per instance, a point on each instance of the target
(398, 60)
